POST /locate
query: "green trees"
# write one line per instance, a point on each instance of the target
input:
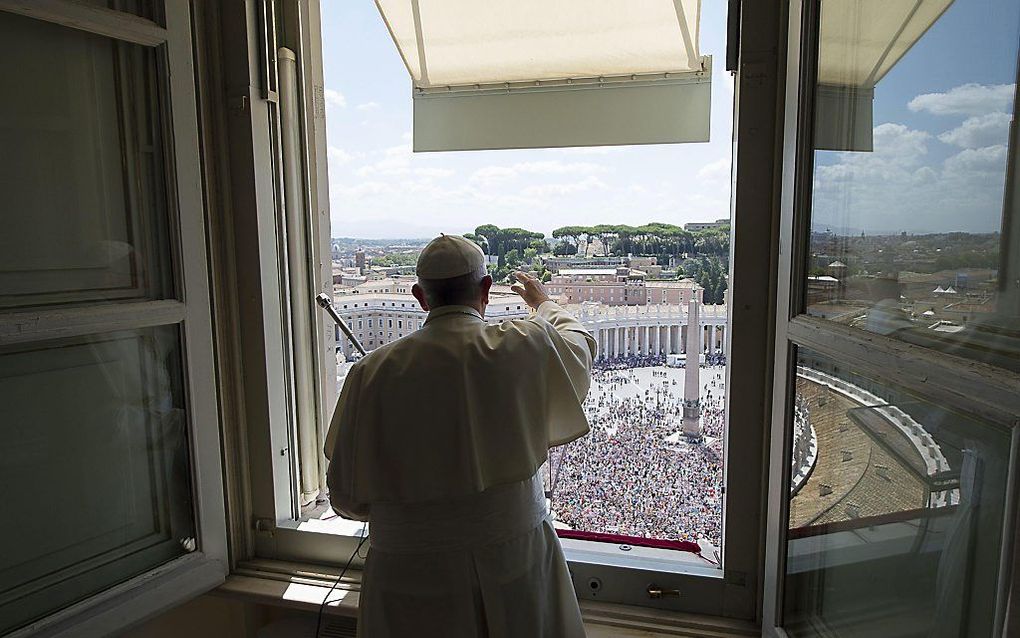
(564, 248)
(573, 234)
(482, 242)
(655, 239)
(710, 274)
(490, 234)
(514, 248)
(700, 255)
(396, 259)
(497, 241)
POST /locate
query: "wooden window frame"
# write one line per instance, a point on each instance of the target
(180, 579)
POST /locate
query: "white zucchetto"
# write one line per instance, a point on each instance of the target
(449, 256)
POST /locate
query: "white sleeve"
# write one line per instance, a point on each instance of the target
(570, 328)
(569, 373)
(339, 448)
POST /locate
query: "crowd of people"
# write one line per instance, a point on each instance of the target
(628, 361)
(635, 473)
(715, 359)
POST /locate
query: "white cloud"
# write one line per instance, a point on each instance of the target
(494, 174)
(898, 151)
(359, 190)
(967, 99)
(400, 161)
(899, 142)
(587, 150)
(991, 159)
(899, 186)
(979, 131)
(367, 106)
(572, 188)
(719, 170)
(338, 155)
(335, 98)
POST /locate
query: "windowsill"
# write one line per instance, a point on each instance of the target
(648, 558)
(303, 588)
(132, 601)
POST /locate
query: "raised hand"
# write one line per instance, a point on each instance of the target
(530, 289)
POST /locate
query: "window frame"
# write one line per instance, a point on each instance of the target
(263, 520)
(989, 393)
(169, 584)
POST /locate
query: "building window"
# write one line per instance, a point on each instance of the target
(107, 415)
(872, 368)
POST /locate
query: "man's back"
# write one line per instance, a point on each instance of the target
(461, 405)
(437, 440)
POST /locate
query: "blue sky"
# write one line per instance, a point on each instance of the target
(940, 132)
(941, 120)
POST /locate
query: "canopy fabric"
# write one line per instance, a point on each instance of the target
(861, 40)
(467, 42)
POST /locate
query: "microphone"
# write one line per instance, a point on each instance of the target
(327, 304)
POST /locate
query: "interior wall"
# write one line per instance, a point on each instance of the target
(212, 615)
(208, 615)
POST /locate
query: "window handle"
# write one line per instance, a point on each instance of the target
(655, 592)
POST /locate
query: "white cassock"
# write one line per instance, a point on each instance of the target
(437, 440)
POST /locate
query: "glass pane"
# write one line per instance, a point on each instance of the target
(913, 212)
(94, 478)
(896, 510)
(81, 172)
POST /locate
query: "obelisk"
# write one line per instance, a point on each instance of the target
(692, 373)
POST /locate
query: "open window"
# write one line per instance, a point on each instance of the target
(111, 473)
(893, 492)
(655, 292)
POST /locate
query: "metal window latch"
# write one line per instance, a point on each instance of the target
(264, 525)
(655, 592)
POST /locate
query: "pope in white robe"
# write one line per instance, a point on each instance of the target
(437, 440)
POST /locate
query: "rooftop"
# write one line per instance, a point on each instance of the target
(671, 283)
(588, 271)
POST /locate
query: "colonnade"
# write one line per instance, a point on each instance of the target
(619, 330)
(618, 338)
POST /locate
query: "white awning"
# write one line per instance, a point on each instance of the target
(862, 40)
(859, 42)
(464, 42)
(536, 73)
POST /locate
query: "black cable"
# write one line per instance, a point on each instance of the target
(322, 605)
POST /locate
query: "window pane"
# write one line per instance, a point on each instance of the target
(81, 172)
(896, 510)
(912, 135)
(94, 478)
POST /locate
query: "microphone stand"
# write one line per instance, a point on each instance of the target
(327, 304)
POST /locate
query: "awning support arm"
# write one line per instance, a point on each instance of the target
(685, 31)
(420, 40)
